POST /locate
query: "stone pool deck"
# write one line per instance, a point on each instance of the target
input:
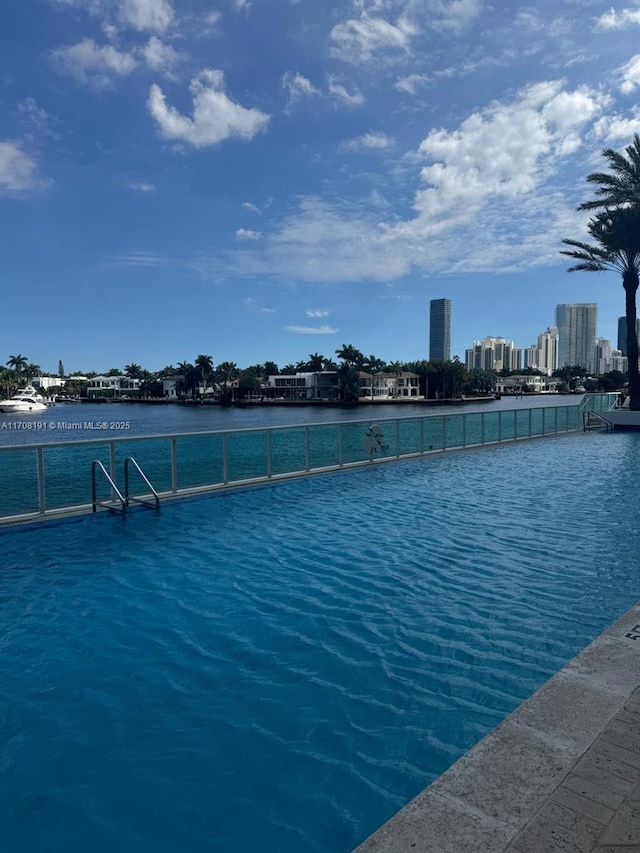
(561, 773)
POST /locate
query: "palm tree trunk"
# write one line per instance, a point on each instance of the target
(630, 283)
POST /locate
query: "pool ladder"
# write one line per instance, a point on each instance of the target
(120, 502)
(595, 421)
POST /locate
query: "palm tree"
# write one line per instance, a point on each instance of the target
(204, 365)
(621, 186)
(7, 382)
(186, 371)
(348, 383)
(617, 247)
(32, 370)
(133, 371)
(349, 354)
(316, 362)
(226, 373)
(329, 364)
(374, 365)
(17, 363)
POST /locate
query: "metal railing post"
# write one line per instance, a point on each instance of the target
(421, 435)
(340, 447)
(112, 468)
(307, 448)
(269, 448)
(464, 430)
(397, 438)
(529, 423)
(174, 465)
(42, 503)
(225, 458)
(481, 427)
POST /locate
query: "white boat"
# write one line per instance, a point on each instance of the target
(24, 401)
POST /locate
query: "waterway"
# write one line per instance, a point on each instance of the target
(77, 421)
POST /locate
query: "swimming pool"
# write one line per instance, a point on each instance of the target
(283, 668)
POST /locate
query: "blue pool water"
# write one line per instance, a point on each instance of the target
(282, 669)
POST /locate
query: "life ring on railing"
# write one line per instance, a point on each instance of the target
(373, 439)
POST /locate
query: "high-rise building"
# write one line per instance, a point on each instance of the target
(576, 324)
(622, 334)
(493, 354)
(607, 359)
(543, 356)
(440, 330)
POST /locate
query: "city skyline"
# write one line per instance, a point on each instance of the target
(545, 348)
(262, 180)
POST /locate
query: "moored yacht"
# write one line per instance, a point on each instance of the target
(24, 401)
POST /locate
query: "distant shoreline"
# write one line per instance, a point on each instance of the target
(266, 403)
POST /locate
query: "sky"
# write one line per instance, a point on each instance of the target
(265, 179)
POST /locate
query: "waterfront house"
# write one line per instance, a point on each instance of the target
(113, 386)
(318, 385)
(531, 384)
(386, 386)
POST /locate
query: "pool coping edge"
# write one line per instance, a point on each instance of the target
(484, 800)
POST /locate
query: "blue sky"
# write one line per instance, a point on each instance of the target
(268, 179)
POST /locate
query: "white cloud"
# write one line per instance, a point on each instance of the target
(298, 87)
(140, 259)
(411, 83)
(375, 140)
(241, 5)
(317, 242)
(317, 312)
(455, 16)
(35, 121)
(630, 75)
(215, 116)
(92, 64)
(359, 39)
(141, 187)
(247, 205)
(268, 310)
(312, 330)
(339, 93)
(159, 56)
(247, 234)
(614, 128)
(211, 20)
(154, 15)
(613, 20)
(18, 170)
(490, 198)
(505, 150)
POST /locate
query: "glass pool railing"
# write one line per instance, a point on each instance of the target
(41, 480)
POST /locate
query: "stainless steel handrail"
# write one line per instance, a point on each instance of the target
(128, 498)
(588, 418)
(95, 503)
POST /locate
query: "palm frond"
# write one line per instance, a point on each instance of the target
(620, 186)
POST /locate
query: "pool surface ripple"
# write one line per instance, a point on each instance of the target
(283, 668)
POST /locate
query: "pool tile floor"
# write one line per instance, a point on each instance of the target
(562, 773)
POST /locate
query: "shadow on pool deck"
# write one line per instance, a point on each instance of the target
(561, 773)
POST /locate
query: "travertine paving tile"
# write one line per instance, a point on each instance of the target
(624, 827)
